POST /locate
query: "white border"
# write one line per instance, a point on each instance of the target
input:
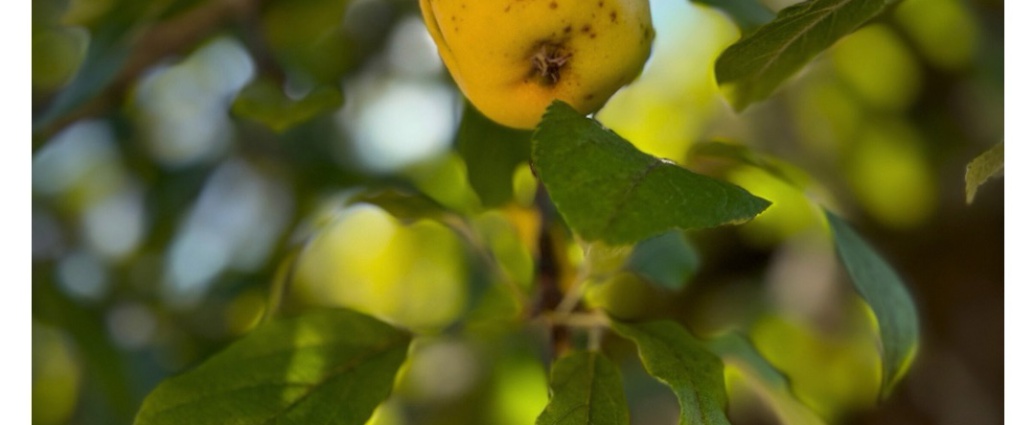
(1020, 282)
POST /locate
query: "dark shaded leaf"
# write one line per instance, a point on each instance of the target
(886, 295)
(103, 362)
(308, 39)
(676, 358)
(264, 102)
(987, 165)
(585, 389)
(492, 152)
(667, 260)
(105, 56)
(607, 190)
(752, 68)
(326, 366)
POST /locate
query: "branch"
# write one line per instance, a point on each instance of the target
(157, 42)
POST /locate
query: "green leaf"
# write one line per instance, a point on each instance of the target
(887, 296)
(262, 101)
(676, 358)
(607, 190)
(745, 155)
(738, 352)
(491, 152)
(747, 14)
(667, 260)
(105, 56)
(752, 68)
(308, 39)
(326, 367)
(406, 206)
(985, 166)
(585, 389)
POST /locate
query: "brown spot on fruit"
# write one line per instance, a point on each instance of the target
(586, 28)
(589, 96)
(648, 34)
(553, 5)
(614, 16)
(567, 29)
(600, 4)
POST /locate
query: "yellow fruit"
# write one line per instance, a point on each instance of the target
(512, 58)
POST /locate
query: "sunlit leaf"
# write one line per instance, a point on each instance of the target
(326, 366)
(491, 152)
(886, 295)
(747, 14)
(675, 357)
(410, 206)
(987, 165)
(585, 389)
(609, 191)
(264, 102)
(751, 69)
(667, 260)
(737, 351)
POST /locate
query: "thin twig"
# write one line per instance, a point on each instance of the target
(464, 229)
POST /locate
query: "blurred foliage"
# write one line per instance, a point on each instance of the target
(194, 157)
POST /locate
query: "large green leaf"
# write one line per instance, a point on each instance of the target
(492, 153)
(752, 68)
(747, 14)
(987, 165)
(738, 352)
(887, 296)
(675, 357)
(585, 389)
(325, 367)
(609, 191)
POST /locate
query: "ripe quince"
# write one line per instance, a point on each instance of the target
(512, 58)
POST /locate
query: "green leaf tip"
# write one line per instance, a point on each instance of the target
(330, 366)
(747, 14)
(752, 68)
(607, 190)
(886, 294)
(673, 356)
(989, 164)
(585, 389)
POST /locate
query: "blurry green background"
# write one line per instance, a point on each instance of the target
(183, 147)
